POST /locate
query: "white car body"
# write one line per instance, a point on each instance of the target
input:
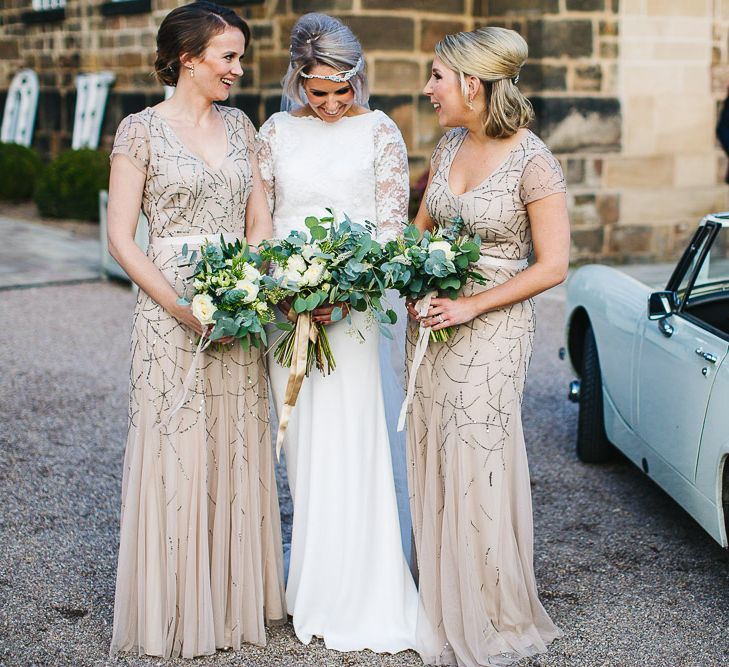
(665, 380)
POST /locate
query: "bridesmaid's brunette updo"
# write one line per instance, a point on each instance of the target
(496, 56)
(188, 30)
(319, 39)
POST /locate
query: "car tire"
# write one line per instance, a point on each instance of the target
(592, 443)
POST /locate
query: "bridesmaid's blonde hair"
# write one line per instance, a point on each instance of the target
(496, 56)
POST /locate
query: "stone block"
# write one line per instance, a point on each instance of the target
(573, 124)
(608, 208)
(696, 170)
(587, 78)
(304, 6)
(574, 171)
(507, 7)
(638, 126)
(9, 49)
(608, 50)
(443, 6)
(631, 239)
(678, 8)
(657, 206)
(565, 37)
(538, 77)
(429, 130)
(397, 75)
(609, 28)
(585, 5)
(272, 68)
(635, 172)
(129, 59)
(431, 32)
(587, 241)
(376, 32)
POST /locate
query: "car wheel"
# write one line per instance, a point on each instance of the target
(592, 443)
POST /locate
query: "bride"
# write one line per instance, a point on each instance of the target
(348, 580)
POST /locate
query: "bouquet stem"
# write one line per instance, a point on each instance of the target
(319, 352)
(442, 335)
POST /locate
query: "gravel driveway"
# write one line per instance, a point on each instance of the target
(627, 575)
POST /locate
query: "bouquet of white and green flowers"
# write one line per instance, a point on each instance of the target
(439, 262)
(334, 264)
(230, 291)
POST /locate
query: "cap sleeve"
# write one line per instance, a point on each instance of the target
(542, 176)
(132, 140)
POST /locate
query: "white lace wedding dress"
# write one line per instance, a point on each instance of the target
(348, 579)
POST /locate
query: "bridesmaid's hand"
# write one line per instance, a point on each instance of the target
(184, 315)
(323, 314)
(445, 312)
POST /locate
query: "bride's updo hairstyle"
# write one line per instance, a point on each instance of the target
(318, 39)
(496, 56)
(187, 30)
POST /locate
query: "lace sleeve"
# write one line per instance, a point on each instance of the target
(264, 151)
(392, 184)
(132, 140)
(542, 176)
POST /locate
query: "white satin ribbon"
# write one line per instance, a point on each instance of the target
(422, 306)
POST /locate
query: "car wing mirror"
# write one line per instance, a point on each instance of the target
(662, 304)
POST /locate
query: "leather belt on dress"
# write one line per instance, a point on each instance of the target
(196, 239)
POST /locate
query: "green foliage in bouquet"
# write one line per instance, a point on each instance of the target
(334, 263)
(230, 291)
(439, 261)
(20, 167)
(69, 186)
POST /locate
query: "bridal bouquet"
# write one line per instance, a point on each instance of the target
(230, 291)
(438, 263)
(334, 263)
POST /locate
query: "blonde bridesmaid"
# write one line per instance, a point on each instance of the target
(469, 479)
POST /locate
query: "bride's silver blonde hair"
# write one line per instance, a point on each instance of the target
(318, 39)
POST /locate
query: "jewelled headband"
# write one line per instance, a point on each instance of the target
(339, 77)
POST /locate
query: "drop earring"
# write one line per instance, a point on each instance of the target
(191, 69)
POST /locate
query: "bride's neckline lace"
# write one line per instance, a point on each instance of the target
(316, 118)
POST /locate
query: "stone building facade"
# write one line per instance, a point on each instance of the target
(626, 92)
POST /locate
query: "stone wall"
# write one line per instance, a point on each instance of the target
(625, 91)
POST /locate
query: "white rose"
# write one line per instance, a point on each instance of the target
(250, 288)
(261, 307)
(278, 272)
(313, 275)
(203, 308)
(250, 272)
(296, 263)
(293, 277)
(444, 246)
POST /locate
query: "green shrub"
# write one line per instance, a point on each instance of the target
(69, 186)
(20, 167)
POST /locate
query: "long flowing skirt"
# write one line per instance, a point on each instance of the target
(471, 497)
(348, 581)
(200, 563)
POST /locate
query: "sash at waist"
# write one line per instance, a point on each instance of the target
(196, 239)
(502, 262)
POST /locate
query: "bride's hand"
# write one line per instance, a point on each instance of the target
(323, 314)
(410, 305)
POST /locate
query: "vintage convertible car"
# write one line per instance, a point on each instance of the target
(654, 374)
